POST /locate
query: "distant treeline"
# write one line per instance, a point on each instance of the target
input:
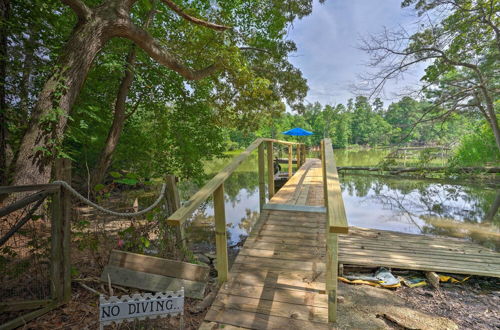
(361, 122)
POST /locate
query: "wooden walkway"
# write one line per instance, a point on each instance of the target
(277, 280)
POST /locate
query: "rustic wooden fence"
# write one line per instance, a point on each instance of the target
(35, 258)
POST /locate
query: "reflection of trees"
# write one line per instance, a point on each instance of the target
(238, 181)
(466, 203)
(200, 228)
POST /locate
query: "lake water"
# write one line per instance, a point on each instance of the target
(416, 206)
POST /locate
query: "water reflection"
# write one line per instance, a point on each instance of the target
(390, 203)
(241, 193)
(423, 207)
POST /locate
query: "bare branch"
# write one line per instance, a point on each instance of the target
(81, 10)
(256, 49)
(194, 20)
(153, 48)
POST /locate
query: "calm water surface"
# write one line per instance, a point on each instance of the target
(390, 203)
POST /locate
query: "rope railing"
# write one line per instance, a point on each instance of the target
(88, 202)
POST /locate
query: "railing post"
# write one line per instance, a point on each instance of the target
(270, 169)
(220, 234)
(290, 162)
(331, 276)
(262, 182)
(303, 154)
(173, 203)
(61, 235)
(298, 156)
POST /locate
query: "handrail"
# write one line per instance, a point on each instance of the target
(337, 220)
(209, 188)
(336, 223)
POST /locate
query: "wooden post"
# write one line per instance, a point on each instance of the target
(303, 154)
(331, 274)
(290, 163)
(173, 203)
(61, 234)
(298, 156)
(262, 181)
(220, 234)
(55, 247)
(270, 169)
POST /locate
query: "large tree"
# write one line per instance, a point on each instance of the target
(236, 50)
(461, 41)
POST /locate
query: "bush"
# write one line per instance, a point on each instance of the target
(477, 148)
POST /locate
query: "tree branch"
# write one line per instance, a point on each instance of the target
(256, 49)
(81, 10)
(153, 48)
(194, 20)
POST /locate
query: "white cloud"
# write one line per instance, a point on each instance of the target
(327, 45)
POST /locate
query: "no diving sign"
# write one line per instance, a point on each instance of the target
(140, 306)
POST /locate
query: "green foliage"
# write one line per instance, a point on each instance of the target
(477, 148)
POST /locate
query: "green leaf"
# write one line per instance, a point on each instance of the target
(115, 175)
(126, 181)
(98, 187)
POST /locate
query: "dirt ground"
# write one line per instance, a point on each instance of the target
(474, 304)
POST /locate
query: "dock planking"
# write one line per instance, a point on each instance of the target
(278, 278)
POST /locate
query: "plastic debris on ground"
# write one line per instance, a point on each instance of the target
(417, 280)
(382, 278)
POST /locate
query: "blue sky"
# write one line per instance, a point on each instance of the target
(327, 43)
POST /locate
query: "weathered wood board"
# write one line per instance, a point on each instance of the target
(159, 266)
(155, 274)
(151, 282)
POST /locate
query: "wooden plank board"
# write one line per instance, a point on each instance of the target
(151, 282)
(159, 266)
(272, 307)
(351, 258)
(259, 321)
(251, 275)
(294, 207)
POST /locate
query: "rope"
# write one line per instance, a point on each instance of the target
(102, 209)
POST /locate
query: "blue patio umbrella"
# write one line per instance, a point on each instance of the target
(297, 131)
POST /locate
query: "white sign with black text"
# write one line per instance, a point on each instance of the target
(140, 306)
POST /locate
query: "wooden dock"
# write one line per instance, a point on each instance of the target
(278, 279)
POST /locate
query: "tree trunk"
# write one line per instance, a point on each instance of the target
(118, 121)
(496, 130)
(43, 137)
(493, 208)
(4, 17)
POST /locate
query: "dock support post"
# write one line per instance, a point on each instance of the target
(220, 235)
(290, 163)
(298, 156)
(173, 202)
(270, 169)
(262, 182)
(303, 154)
(332, 275)
(331, 251)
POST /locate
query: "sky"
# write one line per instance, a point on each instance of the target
(327, 42)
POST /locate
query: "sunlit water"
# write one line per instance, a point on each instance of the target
(380, 202)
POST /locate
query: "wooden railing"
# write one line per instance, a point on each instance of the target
(215, 188)
(336, 223)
